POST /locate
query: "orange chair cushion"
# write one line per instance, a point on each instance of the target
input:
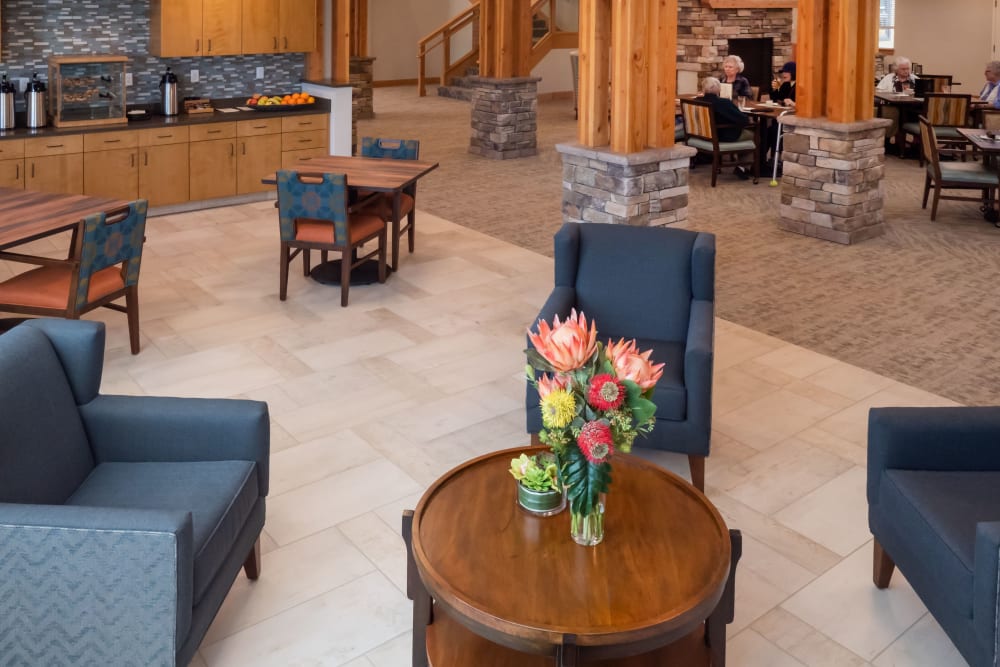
(383, 204)
(362, 225)
(48, 286)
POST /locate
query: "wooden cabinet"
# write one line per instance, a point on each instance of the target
(12, 173)
(213, 161)
(258, 153)
(279, 26)
(304, 136)
(164, 166)
(110, 167)
(195, 27)
(54, 164)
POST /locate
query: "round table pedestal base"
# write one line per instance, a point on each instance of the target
(328, 273)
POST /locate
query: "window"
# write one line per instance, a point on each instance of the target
(886, 24)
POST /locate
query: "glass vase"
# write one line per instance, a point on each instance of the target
(588, 529)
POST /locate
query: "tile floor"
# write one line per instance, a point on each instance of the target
(371, 403)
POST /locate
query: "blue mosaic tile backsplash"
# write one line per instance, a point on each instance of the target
(33, 30)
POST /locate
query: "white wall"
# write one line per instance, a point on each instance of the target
(395, 27)
(556, 72)
(946, 38)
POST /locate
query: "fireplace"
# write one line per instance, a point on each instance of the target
(758, 58)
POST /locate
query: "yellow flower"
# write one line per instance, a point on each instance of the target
(558, 409)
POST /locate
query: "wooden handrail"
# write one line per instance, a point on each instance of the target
(442, 37)
(465, 15)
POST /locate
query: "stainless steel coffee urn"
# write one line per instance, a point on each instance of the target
(34, 99)
(7, 90)
(168, 91)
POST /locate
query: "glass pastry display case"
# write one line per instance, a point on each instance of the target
(87, 90)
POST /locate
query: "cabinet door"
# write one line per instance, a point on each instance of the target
(221, 27)
(12, 174)
(298, 25)
(112, 174)
(213, 169)
(55, 173)
(260, 26)
(258, 156)
(175, 28)
(164, 174)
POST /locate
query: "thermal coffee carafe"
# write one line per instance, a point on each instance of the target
(168, 91)
(7, 90)
(34, 98)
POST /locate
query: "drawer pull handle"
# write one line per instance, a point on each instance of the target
(209, 46)
(145, 159)
(286, 43)
(131, 160)
(197, 45)
(259, 127)
(232, 150)
(244, 148)
(53, 145)
(214, 131)
(112, 141)
(305, 141)
(305, 122)
(32, 169)
(275, 43)
(17, 172)
(164, 136)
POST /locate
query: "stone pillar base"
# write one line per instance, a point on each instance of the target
(361, 79)
(831, 186)
(504, 117)
(644, 189)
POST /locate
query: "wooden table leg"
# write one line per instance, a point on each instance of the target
(568, 653)
(715, 625)
(423, 614)
(397, 199)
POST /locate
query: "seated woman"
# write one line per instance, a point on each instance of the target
(783, 90)
(732, 66)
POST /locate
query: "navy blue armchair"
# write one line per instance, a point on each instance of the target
(656, 285)
(934, 509)
(123, 520)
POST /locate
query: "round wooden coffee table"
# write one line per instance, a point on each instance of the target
(494, 585)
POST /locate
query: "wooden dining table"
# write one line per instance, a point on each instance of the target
(27, 215)
(373, 174)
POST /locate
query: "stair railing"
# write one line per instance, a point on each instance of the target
(442, 38)
(553, 38)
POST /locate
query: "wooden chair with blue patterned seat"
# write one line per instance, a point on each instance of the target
(954, 175)
(703, 135)
(313, 215)
(102, 267)
(945, 112)
(396, 149)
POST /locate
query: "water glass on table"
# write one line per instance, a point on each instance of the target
(741, 101)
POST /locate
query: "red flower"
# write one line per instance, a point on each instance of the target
(605, 392)
(595, 441)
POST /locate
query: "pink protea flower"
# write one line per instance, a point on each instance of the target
(595, 441)
(630, 364)
(605, 393)
(566, 345)
(549, 383)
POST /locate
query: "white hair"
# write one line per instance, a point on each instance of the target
(711, 85)
(902, 60)
(993, 66)
(736, 60)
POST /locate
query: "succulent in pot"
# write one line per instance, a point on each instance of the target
(538, 487)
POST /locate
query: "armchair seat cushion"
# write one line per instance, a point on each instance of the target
(220, 496)
(938, 511)
(670, 395)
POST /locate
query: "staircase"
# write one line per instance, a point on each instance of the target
(460, 87)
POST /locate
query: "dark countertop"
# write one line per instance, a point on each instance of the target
(329, 83)
(322, 105)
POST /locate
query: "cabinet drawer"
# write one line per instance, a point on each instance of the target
(106, 141)
(11, 149)
(293, 159)
(251, 128)
(61, 145)
(293, 141)
(210, 131)
(310, 122)
(163, 136)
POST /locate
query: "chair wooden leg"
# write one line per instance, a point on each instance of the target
(252, 564)
(927, 189)
(383, 250)
(715, 167)
(535, 440)
(324, 256)
(697, 465)
(283, 273)
(882, 566)
(934, 203)
(411, 231)
(346, 258)
(132, 313)
(305, 262)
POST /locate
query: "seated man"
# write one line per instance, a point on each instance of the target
(731, 122)
(898, 81)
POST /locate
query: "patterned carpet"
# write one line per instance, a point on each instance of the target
(916, 305)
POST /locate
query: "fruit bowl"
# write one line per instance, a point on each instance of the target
(281, 102)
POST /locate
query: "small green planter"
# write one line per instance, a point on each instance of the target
(541, 503)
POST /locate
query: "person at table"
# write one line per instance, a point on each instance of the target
(783, 89)
(732, 68)
(989, 92)
(902, 79)
(727, 114)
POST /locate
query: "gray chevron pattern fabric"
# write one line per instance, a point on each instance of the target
(87, 597)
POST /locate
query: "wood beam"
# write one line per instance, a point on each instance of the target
(629, 75)
(315, 68)
(340, 51)
(593, 128)
(504, 38)
(812, 68)
(359, 28)
(662, 50)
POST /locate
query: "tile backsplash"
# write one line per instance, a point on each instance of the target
(33, 30)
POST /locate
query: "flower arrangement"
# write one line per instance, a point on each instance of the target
(595, 400)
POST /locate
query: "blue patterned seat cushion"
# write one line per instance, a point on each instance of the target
(219, 494)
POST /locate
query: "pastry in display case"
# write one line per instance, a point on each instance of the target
(87, 90)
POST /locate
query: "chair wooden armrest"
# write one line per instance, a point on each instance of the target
(32, 259)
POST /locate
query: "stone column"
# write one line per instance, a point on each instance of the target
(832, 183)
(504, 117)
(649, 188)
(361, 79)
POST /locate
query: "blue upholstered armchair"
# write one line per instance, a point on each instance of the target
(934, 509)
(123, 520)
(656, 285)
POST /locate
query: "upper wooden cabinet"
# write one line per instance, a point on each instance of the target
(195, 28)
(279, 26)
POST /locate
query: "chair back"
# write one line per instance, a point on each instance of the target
(111, 238)
(754, 93)
(699, 121)
(939, 83)
(947, 109)
(991, 119)
(396, 149)
(307, 197)
(929, 147)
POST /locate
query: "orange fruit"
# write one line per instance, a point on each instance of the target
(310, 99)
(286, 99)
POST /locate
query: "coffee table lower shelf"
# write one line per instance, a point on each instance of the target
(451, 644)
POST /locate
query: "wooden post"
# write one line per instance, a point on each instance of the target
(359, 28)
(629, 75)
(504, 38)
(595, 73)
(340, 52)
(316, 59)
(662, 51)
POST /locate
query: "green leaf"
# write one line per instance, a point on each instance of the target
(537, 361)
(584, 480)
(632, 391)
(642, 410)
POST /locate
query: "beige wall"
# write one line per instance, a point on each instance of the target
(395, 27)
(947, 38)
